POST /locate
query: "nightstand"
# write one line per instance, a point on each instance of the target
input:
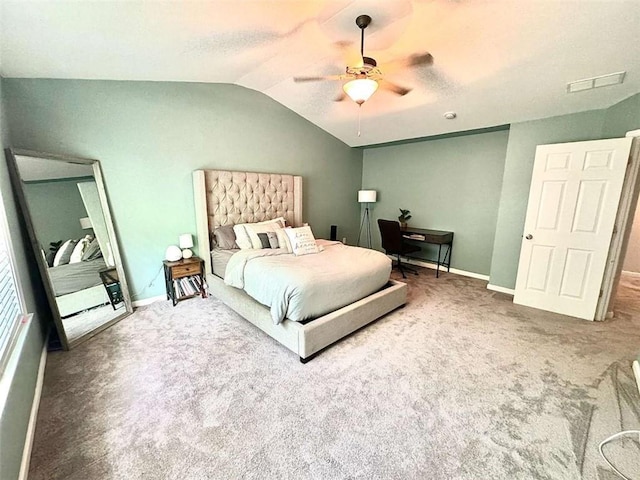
(111, 282)
(184, 279)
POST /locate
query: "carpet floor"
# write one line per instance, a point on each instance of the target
(459, 384)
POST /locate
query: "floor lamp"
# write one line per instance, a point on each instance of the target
(366, 197)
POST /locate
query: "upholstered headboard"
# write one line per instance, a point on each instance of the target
(228, 198)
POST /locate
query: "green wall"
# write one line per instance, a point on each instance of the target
(523, 139)
(150, 136)
(448, 184)
(622, 117)
(56, 208)
(14, 417)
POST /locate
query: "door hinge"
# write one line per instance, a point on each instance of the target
(615, 229)
(601, 293)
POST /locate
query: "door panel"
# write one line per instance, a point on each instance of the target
(573, 202)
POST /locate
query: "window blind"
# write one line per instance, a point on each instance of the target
(10, 303)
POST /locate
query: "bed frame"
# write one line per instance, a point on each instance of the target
(225, 197)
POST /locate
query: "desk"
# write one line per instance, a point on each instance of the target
(436, 237)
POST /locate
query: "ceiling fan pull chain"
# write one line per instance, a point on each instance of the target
(359, 108)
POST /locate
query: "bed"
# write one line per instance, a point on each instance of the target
(77, 286)
(231, 198)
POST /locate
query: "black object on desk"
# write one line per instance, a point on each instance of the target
(436, 237)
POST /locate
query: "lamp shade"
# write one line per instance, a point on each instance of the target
(186, 240)
(85, 223)
(360, 89)
(367, 196)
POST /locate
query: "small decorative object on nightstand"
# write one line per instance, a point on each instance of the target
(184, 279)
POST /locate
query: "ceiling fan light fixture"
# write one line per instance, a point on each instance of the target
(360, 89)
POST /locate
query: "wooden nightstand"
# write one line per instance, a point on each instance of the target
(184, 279)
(111, 282)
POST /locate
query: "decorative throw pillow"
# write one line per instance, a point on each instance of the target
(225, 237)
(302, 240)
(64, 253)
(92, 251)
(243, 239)
(273, 239)
(254, 229)
(268, 239)
(78, 251)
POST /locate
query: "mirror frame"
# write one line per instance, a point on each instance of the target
(16, 180)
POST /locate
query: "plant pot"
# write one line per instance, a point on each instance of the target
(403, 224)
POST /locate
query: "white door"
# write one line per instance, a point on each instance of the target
(573, 201)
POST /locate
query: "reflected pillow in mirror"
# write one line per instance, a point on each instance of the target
(92, 251)
(78, 251)
(64, 253)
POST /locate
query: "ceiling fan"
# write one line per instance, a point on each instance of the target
(365, 77)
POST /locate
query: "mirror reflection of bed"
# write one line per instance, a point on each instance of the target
(73, 239)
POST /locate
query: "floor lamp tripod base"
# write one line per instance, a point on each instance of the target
(365, 225)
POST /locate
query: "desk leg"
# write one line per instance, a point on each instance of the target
(438, 262)
(450, 253)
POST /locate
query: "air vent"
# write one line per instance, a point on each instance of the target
(595, 82)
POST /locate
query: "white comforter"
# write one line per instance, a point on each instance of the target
(308, 286)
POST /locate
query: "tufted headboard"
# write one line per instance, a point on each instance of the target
(227, 198)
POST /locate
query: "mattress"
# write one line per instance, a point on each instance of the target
(220, 259)
(74, 277)
(305, 287)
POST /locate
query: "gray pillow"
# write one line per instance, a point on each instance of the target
(225, 237)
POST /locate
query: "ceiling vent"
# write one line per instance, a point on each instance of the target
(595, 82)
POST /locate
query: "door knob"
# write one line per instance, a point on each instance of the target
(529, 237)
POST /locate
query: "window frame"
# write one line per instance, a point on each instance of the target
(14, 329)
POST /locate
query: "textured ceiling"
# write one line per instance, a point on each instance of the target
(496, 62)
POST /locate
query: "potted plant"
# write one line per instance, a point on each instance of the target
(404, 217)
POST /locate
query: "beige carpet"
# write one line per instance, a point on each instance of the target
(460, 384)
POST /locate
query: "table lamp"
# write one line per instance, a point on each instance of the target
(186, 243)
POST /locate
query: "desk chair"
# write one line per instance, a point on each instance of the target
(394, 244)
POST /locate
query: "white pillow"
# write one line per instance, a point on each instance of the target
(61, 253)
(78, 250)
(283, 240)
(254, 229)
(242, 237)
(302, 240)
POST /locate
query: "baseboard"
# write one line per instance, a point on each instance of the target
(631, 274)
(148, 301)
(497, 288)
(420, 263)
(33, 417)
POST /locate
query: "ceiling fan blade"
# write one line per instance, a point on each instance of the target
(415, 60)
(392, 87)
(318, 78)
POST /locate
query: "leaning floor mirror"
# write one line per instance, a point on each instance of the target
(64, 205)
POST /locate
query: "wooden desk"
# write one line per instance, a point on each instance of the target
(435, 237)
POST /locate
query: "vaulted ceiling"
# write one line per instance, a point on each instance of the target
(495, 62)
